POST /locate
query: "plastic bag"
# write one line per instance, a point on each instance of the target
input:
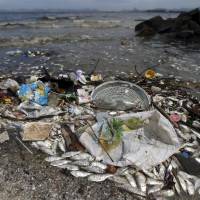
(36, 92)
(144, 147)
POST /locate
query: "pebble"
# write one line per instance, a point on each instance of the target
(155, 89)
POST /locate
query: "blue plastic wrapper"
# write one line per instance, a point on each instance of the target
(36, 92)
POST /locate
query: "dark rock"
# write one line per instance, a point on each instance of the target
(185, 26)
(185, 34)
(194, 26)
(154, 23)
(166, 26)
(146, 31)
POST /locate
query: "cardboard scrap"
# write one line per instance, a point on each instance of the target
(35, 131)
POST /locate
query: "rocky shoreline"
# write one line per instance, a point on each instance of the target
(185, 27)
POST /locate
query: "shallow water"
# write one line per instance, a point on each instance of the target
(77, 40)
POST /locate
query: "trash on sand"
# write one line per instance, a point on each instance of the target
(175, 117)
(96, 77)
(120, 95)
(35, 131)
(144, 144)
(150, 74)
(83, 96)
(9, 84)
(109, 137)
(36, 92)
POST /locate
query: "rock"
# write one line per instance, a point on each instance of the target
(154, 23)
(4, 137)
(155, 89)
(36, 131)
(146, 31)
(185, 26)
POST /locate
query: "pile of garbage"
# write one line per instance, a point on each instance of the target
(141, 132)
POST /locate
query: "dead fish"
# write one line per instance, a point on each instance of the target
(197, 184)
(70, 154)
(121, 170)
(154, 189)
(60, 162)
(162, 171)
(99, 177)
(98, 164)
(69, 167)
(149, 174)
(129, 188)
(151, 181)
(185, 175)
(197, 159)
(53, 158)
(62, 145)
(118, 179)
(174, 164)
(177, 187)
(81, 163)
(141, 181)
(182, 183)
(82, 156)
(130, 179)
(190, 188)
(80, 174)
(155, 172)
(94, 169)
(166, 193)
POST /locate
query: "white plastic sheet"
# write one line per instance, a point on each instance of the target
(145, 147)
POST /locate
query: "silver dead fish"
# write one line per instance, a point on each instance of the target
(53, 158)
(94, 169)
(60, 162)
(98, 164)
(177, 187)
(99, 177)
(182, 183)
(151, 181)
(119, 179)
(150, 174)
(166, 193)
(162, 171)
(82, 156)
(70, 154)
(131, 189)
(130, 179)
(69, 167)
(190, 188)
(154, 189)
(141, 181)
(80, 174)
(81, 163)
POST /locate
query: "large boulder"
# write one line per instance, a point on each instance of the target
(153, 24)
(185, 26)
(146, 31)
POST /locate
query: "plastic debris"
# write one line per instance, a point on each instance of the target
(175, 117)
(150, 74)
(36, 92)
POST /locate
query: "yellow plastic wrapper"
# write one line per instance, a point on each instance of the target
(97, 77)
(150, 74)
